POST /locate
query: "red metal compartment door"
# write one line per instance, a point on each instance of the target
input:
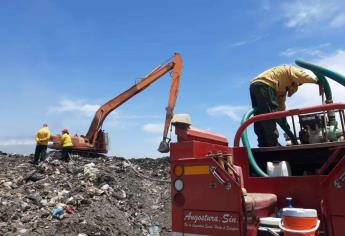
(333, 189)
(338, 225)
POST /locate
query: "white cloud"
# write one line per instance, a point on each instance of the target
(153, 128)
(75, 107)
(310, 51)
(250, 40)
(300, 13)
(335, 61)
(266, 5)
(233, 112)
(15, 142)
(89, 110)
(291, 52)
(338, 21)
(319, 13)
(81, 112)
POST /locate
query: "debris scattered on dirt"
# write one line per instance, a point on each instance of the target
(87, 196)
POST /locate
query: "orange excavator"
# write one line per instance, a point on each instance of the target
(96, 140)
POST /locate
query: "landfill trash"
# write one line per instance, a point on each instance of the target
(120, 194)
(90, 170)
(57, 211)
(95, 191)
(35, 198)
(98, 196)
(22, 231)
(105, 187)
(69, 210)
(33, 176)
(154, 230)
(8, 184)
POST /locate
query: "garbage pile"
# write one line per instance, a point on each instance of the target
(87, 196)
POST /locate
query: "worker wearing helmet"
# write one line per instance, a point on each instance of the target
(66, 142)
(42, 137)
(268, 93)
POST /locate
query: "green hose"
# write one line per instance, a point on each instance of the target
(327, 89)
(320, 73)
(246, 144)
(318, 70)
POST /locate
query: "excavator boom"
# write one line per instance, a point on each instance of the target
(96, 141)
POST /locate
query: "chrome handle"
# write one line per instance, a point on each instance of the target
(339, 182)
(216, 175)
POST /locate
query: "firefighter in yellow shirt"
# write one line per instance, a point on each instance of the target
(42, 137)
(67, 145)
(268, 93)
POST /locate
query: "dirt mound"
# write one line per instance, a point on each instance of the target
(88, 196)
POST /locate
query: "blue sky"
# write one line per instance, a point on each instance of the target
(60, 60)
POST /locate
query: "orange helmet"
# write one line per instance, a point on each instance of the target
(65, 131)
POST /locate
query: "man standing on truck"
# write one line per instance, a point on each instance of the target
(268, 94)
(42, 137)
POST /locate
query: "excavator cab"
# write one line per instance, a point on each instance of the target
(102, 143)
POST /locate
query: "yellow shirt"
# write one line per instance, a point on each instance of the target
(66, 140)
(42, 136)
(284, 80)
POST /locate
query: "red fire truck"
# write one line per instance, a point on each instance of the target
(219, 189)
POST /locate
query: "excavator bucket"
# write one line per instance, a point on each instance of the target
(164, 147)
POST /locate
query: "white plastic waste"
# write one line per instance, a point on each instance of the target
(281, 168)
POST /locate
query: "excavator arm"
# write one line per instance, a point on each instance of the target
(175, 82)
(175, 64)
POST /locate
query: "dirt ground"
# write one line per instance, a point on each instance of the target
(98, 196)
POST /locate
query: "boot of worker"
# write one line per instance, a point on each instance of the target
(269, 140)
(43, 154)
(270, 144)
(37, 155)
(66, 157)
